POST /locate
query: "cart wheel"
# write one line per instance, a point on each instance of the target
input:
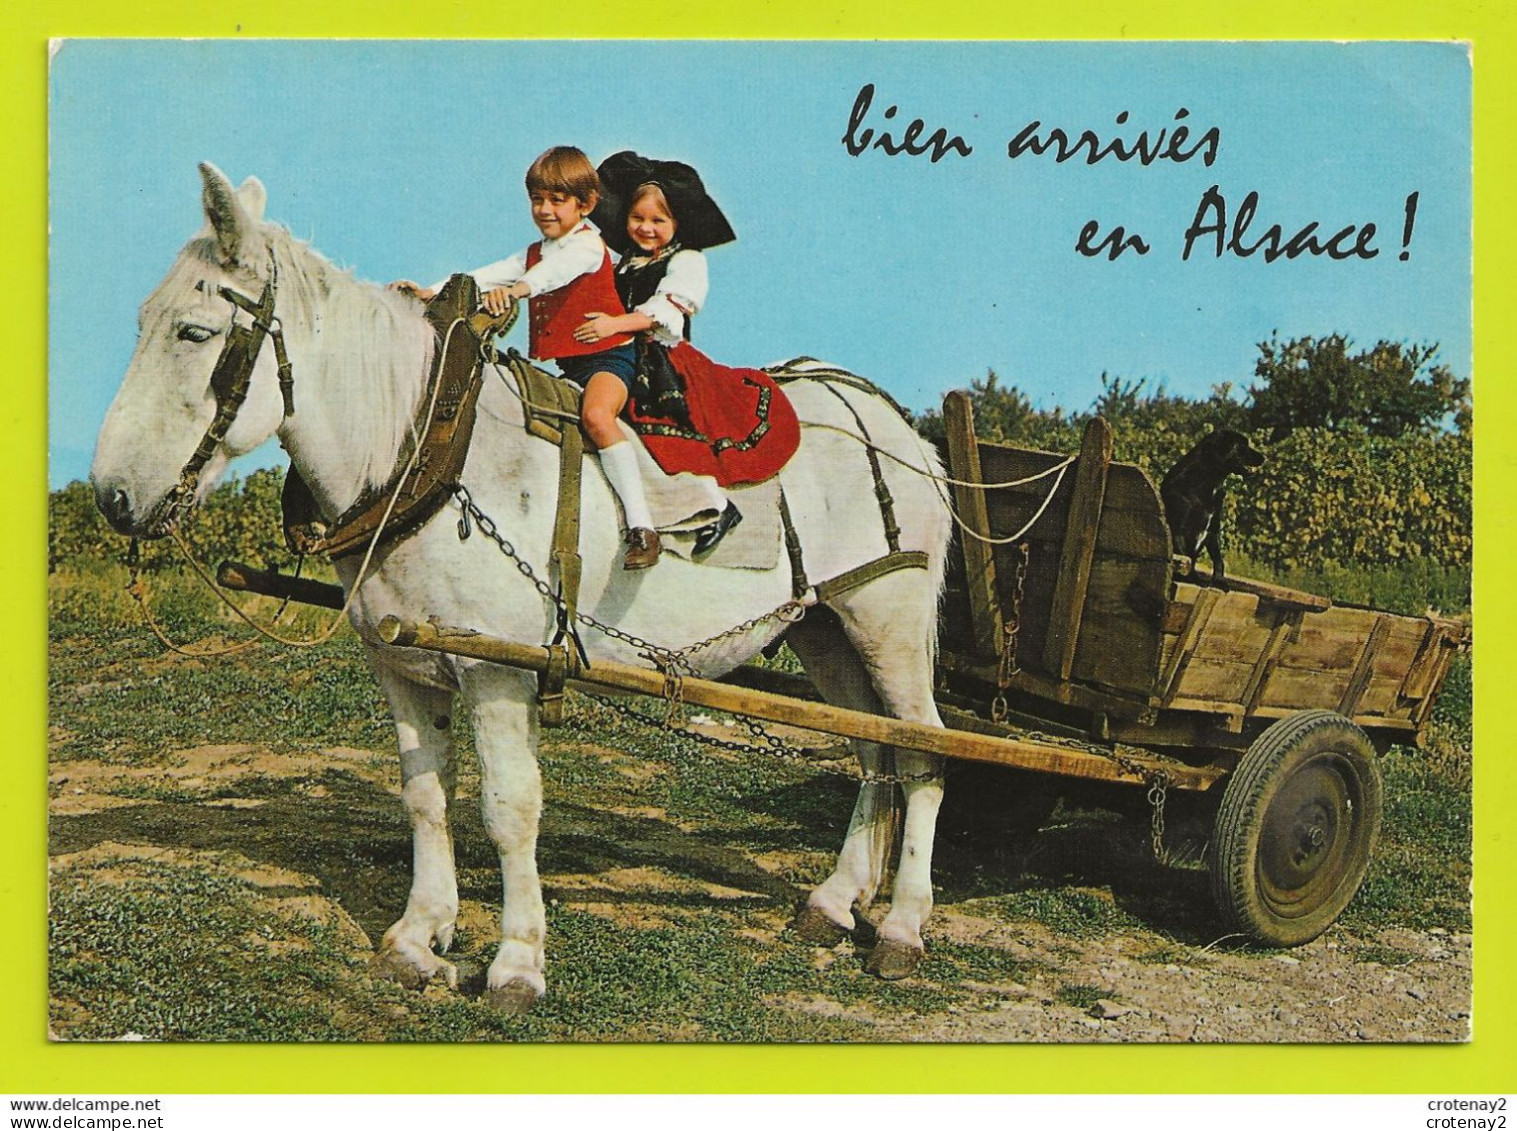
(1295, 829)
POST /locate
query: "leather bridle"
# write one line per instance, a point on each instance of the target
(230, 379)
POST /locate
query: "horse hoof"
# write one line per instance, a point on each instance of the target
(516, 996)
(891, 960)
(816, 928)
(391, 966)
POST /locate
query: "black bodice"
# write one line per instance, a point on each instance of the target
(637, 278)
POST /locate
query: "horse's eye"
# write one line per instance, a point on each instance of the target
(191, 333)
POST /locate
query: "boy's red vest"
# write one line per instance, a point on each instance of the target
(553, 316)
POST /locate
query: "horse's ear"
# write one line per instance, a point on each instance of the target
(228, 216)
(253, 197)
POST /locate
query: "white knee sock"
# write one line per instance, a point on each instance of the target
(620, 464)
(714, 497)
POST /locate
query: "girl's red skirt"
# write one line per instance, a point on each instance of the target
(742, 427)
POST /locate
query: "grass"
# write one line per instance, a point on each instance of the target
(1410, 587)
(1076, 912)
(670, 868)
(1081, 997)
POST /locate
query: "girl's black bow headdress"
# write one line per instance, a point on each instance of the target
(699, 223)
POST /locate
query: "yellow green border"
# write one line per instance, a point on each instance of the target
(29, 1064)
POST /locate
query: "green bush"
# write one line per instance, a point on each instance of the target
(239, 519)
(1372, 519)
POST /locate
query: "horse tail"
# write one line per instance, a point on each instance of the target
(884, 814)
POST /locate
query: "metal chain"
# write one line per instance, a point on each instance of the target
(771, 744)
(1158, 783)
(673, 662)
(667, 659)
(1009, 629)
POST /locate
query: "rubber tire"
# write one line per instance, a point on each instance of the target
(1296, 829)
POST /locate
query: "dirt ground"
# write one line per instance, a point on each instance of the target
(1127, 985)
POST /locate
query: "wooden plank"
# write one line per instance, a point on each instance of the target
(1268, 659)
(1010, 750)
(1447, 646)
(1349, 703)
(1119, 635)
(1237, 631)
(1209, 679)
(1117, 704)
(979, 558)
(1200, 612)
(1314, 649)
(1277, 593)
(1135, 529)
(1068, 605)
(1231, 714)
(1382, 696)
(1298, 689)
(1129, 489)
(1398, 728)
(1419, 677)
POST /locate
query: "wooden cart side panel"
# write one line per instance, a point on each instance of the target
(1391, 667)
(984, 606)
(1132, 518)
(1120, 639)
(1270, 659)
(1130, 569)
(1082, 525)
(1226, 653)
(1424, 672)
(1355, 660)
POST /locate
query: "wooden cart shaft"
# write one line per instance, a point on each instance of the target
(1021, 753)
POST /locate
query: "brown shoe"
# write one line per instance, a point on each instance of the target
(642, 548)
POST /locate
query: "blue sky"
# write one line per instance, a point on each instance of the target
(405, 159)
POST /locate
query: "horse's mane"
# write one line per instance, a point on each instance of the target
(371, 347)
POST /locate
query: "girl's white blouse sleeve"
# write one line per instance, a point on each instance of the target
(681, 292)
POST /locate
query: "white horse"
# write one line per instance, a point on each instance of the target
(360, 354)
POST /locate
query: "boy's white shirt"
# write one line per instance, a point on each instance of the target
(579, 252)
(682, 291)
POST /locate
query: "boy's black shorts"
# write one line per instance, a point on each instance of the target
(619, 361)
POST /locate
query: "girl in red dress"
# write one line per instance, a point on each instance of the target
(693, 415)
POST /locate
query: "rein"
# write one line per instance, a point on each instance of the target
(230, 380)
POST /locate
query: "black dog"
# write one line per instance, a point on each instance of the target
(1193, 492)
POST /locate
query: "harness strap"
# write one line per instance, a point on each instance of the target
(233, 373)
(550, 404)
(551, 682)
(286, 372)
(798, 583)
(419, 487)
(881, 491)
(848, 580)
(565, 555)
(550, 408)
(870, 571)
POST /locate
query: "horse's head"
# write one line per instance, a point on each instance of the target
(191, 329)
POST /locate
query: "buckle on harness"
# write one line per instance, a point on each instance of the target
(563, 665)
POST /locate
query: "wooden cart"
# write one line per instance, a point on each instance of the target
(1277, 698)
(1079, 649)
